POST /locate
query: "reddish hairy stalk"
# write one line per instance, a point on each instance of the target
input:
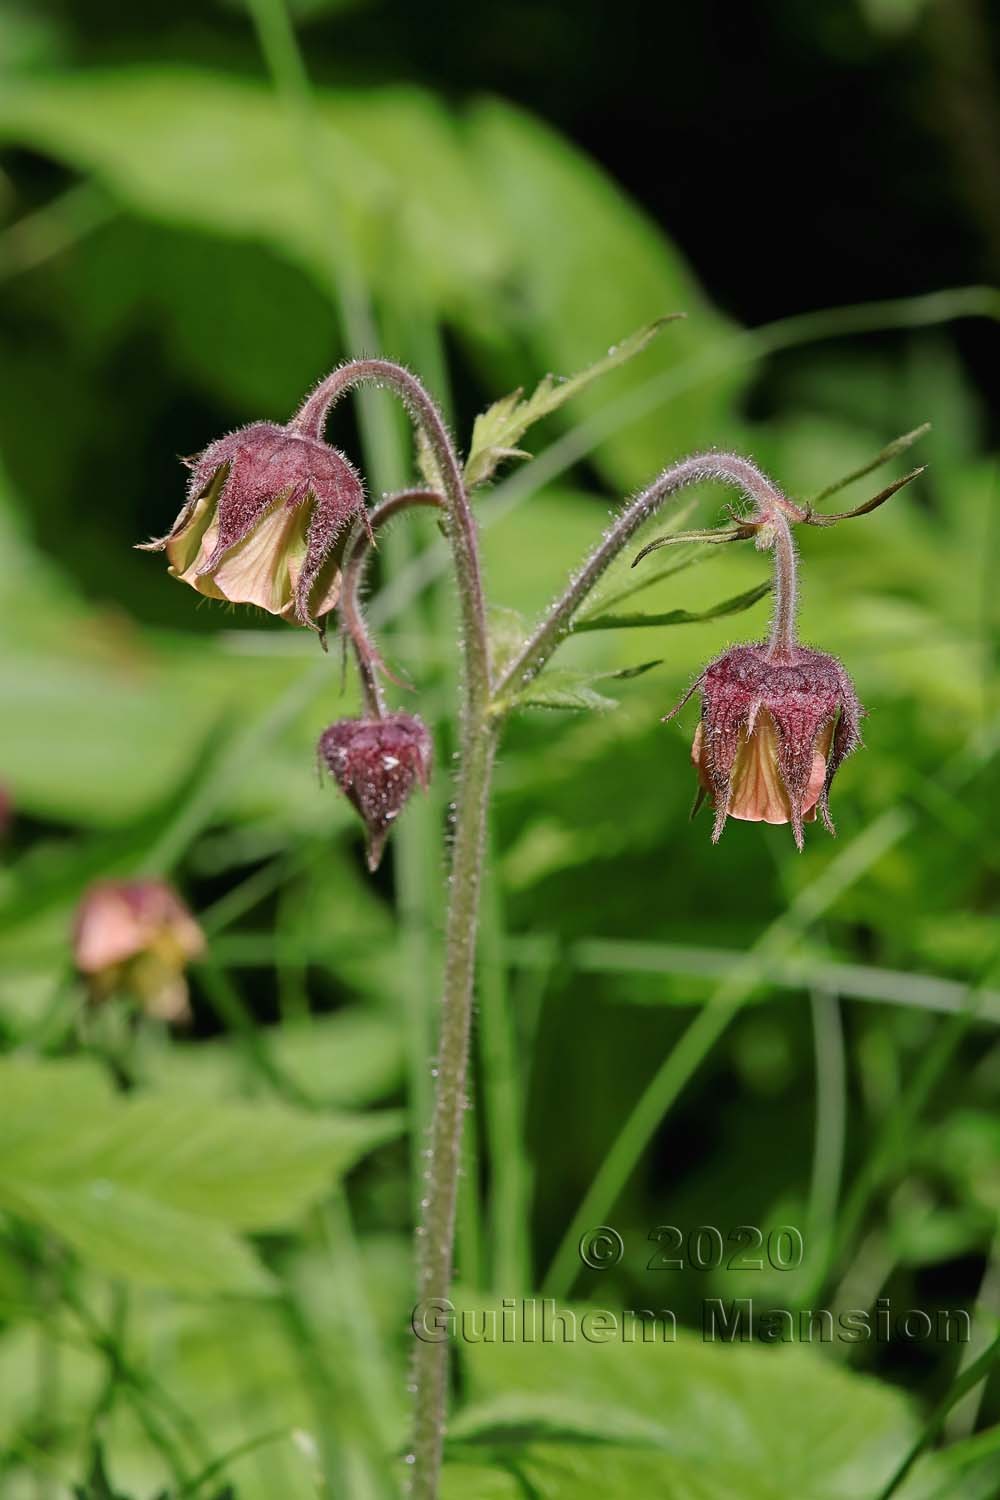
(369, 661)
(310, 421)
(771, 508)
(436, 1234)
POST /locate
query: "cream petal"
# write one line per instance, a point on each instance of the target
(758, 792)
(261, 569)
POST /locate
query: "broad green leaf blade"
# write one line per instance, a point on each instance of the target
(674, 1414)
(590, 1470)
(588, 264)
(128, 1179)
(345, 1060)
(142, 132)
(249, 1166)
(460, 1480)
(128, 1234)
(733, 606)
(509, 1418)
(497, 431)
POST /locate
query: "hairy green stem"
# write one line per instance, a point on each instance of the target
(436, 1232)
(430, 1361)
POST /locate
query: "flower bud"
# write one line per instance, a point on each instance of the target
(268, 511)
(375, 762)
(774, 729)
(137, 936)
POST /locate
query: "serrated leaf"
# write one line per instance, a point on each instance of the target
(129, 1235)
(675, 1414)
(733, 606)
(346, 1060)
(568, 688)
(153, 1186)
(564, 689)
(497, 431)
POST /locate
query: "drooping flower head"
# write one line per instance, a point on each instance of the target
(775, 726)
(137, 936)
(267, 513)
(376, 763)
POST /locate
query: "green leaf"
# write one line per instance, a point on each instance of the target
(128, 1234)
(98, 1485)
(733, 606)
(345, 1060)
(566, 687)
(461, 1480)
(142, 131)
(510, 1418)
(588, 263)
(152, 1186)
(497, 431)
(582, 1417)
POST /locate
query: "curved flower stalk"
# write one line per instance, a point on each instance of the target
(478, 745)
(377, 759)
(777, 718)
(366, 653)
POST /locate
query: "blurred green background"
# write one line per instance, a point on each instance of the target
(191, 234)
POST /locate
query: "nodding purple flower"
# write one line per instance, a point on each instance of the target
(137, 937)
(267, 514)
(376, 763)
(775, 727)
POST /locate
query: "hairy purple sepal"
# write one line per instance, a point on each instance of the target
(775, 727)
(376, 763)
(267, 514)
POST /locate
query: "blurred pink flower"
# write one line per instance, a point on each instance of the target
(137, 936)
